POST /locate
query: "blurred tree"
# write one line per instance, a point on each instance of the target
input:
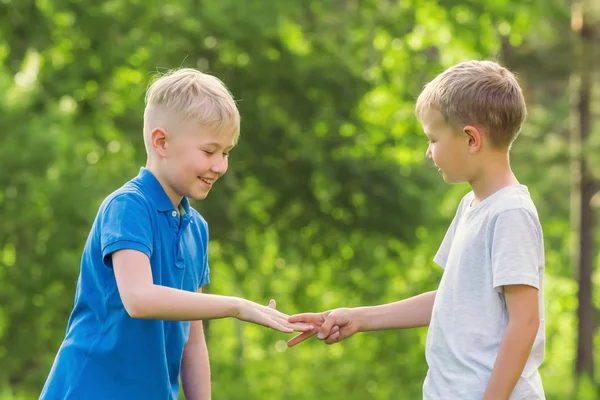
(328, 201)
(585, 22)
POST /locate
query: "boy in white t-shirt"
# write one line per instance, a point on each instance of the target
(486, 319)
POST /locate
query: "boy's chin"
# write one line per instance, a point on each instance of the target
(452, 180)
(199, 195)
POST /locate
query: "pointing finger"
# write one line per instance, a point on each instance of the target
(311, 318)
(301, 337)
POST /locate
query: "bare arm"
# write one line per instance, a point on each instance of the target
(413, 312)
(145, 300)
(195, 365)
(523, 323)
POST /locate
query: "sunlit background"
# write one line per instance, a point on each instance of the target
(329, 200)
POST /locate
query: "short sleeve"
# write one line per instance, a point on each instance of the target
(516, 249)
(204, 268)
(441, 257)
(125, 224)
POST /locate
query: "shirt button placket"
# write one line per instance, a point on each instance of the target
(175, 220)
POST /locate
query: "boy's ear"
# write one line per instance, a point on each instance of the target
(474, 138)
(159, 141)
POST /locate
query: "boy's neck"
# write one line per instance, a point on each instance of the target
(494, 175)
(174, 197)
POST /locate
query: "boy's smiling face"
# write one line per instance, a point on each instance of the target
(197, 159)
(191, 160)
(448, 148)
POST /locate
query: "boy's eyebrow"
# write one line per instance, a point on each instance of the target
(218, 145)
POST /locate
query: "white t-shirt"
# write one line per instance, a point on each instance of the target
(494, 243)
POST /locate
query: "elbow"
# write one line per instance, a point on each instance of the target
(536, 323)
(535, 326)
(135, 304)
(136, 312)
(528, 327)
(533, 323)
(532, 329)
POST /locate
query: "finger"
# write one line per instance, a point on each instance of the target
(279, 327)
(265, 319)
(334, 338)
(272, 304)
(301, 337)
(277, 315)
(283, 319)
(335, 329)
(299, 327)
(303, 327)
(326, 328)
(311, 318)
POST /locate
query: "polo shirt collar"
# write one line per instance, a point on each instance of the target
(157, 192)
(186, 206)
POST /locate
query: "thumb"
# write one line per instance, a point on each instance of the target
(327, 327)
(272, 304)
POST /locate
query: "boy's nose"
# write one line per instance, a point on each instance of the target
(220, 167)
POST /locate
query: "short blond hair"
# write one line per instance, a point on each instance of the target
(479, 93)
(191, 96)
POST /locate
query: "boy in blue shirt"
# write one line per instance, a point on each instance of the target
(486, 319)
(136, 323)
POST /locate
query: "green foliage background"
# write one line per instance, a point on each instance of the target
(329, 200)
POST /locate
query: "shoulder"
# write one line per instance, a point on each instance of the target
(516, 201)
(465, 202)
(515, 212)
(129, 198)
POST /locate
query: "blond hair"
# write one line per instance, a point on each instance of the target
(479, 93)
(191, 96)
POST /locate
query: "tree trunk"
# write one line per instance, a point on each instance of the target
(584, 187)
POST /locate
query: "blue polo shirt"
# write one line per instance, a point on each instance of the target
(106, 354)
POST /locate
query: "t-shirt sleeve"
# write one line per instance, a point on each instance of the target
(125, 224)
(441, 257)
(204, 267)
(516, 249)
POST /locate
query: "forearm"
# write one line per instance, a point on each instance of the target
(165, 303)
(195, 372)
(410, 313)
(512, 357)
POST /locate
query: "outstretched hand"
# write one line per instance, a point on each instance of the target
(330, 326)
(269, 317)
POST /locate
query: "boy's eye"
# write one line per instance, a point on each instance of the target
(210, 153)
